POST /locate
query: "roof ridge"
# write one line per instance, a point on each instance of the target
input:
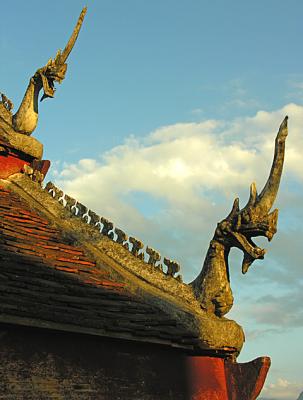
(106, 228)
(145, 280)
(115, 256)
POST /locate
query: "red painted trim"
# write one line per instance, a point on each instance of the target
(13, 161)
(245, 380)
(11, 164)
(206, 378)
(261, 378)
(211, 378)
(41, 165)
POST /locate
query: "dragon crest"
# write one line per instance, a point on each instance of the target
(212, 286)
(26, 118)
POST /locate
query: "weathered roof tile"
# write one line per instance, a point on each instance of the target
(46, 278)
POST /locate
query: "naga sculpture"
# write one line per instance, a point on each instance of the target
(212, 286)
(21, 151)
(26, 118)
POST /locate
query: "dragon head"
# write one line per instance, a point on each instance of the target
(255, 219)
(55, 69)
(26, 118)
(52, 72)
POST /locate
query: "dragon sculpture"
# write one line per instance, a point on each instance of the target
(212, 286)
(26, 118)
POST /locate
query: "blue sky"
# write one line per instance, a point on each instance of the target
(168, 111)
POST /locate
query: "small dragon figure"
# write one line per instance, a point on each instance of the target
(212, 286)
(26, 118)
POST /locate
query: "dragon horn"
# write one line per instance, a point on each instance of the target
(267, 197)
(234, 210)
(61, 58)
(253, 195)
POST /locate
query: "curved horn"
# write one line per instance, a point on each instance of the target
(234, 210)
(252, 196)
(267, 197)
(61, 58)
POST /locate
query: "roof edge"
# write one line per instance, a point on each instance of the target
(170, 295)
(123, 261)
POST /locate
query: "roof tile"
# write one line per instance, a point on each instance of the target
(45, 277)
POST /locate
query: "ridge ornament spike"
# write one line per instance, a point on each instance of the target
(61, 58)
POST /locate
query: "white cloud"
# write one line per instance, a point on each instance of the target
(188, 174)
(282, 389)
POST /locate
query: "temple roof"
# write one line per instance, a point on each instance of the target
(51, 281)
(61, 271)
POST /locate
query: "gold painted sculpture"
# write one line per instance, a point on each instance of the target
(212, 286)
(26, 118)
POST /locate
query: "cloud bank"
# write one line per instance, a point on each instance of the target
(172, 186)
(282, 389)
